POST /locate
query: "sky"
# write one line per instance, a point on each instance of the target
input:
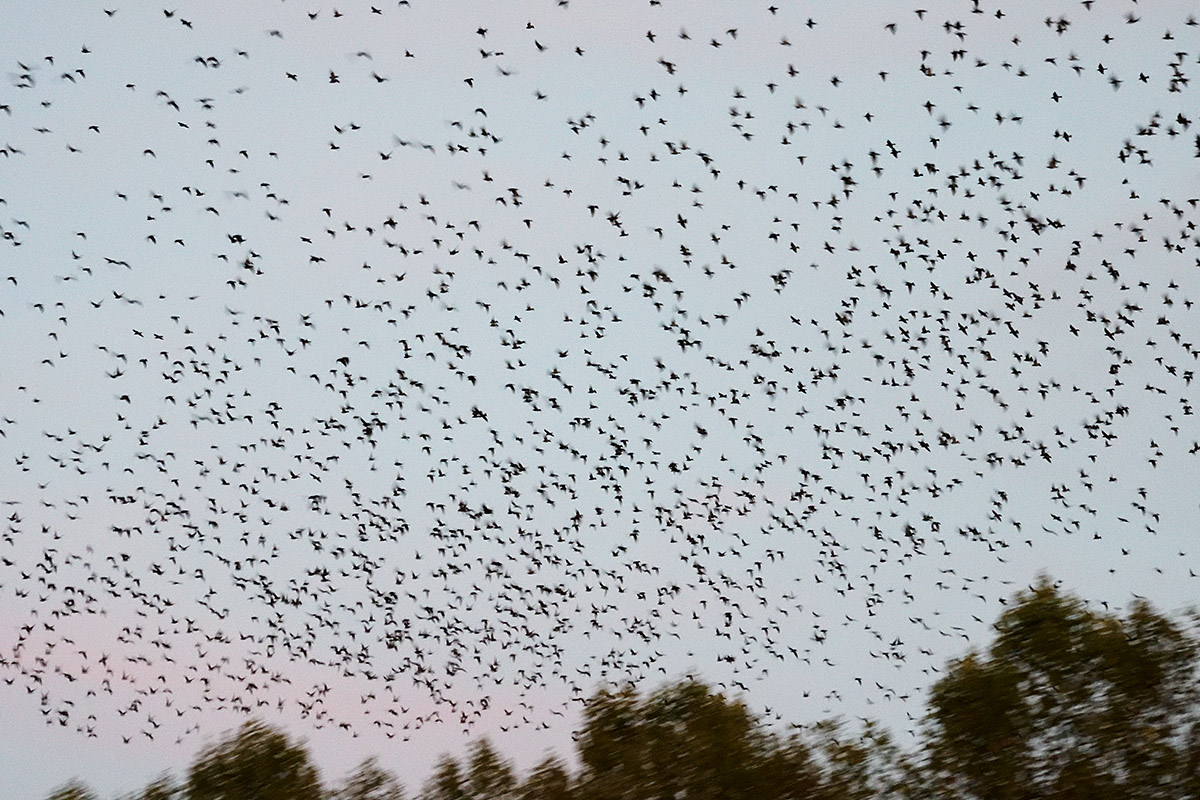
(401, 373)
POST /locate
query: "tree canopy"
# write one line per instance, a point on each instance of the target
(257, 761)
(1067, 702)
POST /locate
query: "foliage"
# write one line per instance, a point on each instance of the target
(255, 763)
(447, 782)
(549, 780)
(683, 741)
(72, 790)
(370, 782)
(162, 788)
(1068, 702)
(485, 776)
(490, 777)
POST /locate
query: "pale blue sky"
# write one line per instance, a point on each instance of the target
(459, 357)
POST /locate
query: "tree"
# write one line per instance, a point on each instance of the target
(1068, 703)
(74, 789)
(161, 788)
(612, 745)
(704, 744)
(867, 765)
(786, 770)
(685, 740)
(549, 780)
(446, 783)
(370, 782)
(489, 776)
(257, 762)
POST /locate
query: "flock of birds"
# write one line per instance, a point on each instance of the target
(394, 363)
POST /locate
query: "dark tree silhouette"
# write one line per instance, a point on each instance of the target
(257, 762)
(1068, 702)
